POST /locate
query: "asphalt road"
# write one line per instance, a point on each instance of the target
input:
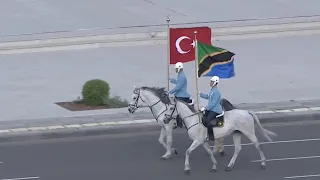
(137, 157)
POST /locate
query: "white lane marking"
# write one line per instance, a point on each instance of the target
(278, 142)
(315, 108)
(19, 129)
(23, 178)
(55, 127)
(301, 109)
(264, 112)
(283, 111)
(73, 126)
(304, 176)
(107, 123)
(143, 120)
(90, 124)
(4, 131)
(37, 128)
(126, 122)
(292, 158)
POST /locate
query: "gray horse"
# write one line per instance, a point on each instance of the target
(158, 101)
(236, 122)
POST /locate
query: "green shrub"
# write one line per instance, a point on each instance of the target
(95, 92)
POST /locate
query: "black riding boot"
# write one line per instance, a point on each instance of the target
(179, 121)
(211, 125)
(210, 133)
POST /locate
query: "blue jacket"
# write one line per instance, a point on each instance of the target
(213, 97)
(181, 86)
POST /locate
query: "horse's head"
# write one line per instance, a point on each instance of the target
(172, 110)
(136, 100)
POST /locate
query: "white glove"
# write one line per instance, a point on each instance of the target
(203, 109)
(171, 95)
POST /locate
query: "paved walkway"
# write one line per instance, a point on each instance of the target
(267, 70)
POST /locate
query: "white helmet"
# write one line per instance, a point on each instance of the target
(215, 79)
(178, 66)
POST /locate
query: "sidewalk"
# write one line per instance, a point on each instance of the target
(142, 120)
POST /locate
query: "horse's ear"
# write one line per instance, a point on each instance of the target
(134, 86)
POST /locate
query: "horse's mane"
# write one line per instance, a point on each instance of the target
(226, 105)
(160, 92)
(187, 104)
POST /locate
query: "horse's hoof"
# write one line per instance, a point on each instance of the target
(174, 151)
(187, 171)
(263, 167)
(165, 158)
(228, 168)
(213, 170)
(222, 153)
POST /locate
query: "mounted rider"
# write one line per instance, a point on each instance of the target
(213, 110)
(180, 91)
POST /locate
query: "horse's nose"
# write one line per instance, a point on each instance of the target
(130, 110)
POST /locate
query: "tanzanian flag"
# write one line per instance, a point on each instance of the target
(214, 61)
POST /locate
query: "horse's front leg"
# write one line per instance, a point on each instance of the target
(170, 150)
(192, 147)
(162, 136)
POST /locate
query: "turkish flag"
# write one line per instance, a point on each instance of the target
(182, 44)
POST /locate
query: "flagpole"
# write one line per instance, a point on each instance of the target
(196, 66)
(168, 52)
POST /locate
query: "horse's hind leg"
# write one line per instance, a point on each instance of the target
(252, 137)
(214, 161)
(237, 148)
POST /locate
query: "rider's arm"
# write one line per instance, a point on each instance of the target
(178, 85)
(214, 100)
(173, 81)
(204, 96)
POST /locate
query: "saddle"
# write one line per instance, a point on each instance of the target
(219, 121)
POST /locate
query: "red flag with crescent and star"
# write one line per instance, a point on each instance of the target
(182, 44)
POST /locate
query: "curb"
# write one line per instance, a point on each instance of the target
(148, 126)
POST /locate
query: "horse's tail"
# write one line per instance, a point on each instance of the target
(226, 105)
(263, 131)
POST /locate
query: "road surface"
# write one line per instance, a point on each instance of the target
(137, 157)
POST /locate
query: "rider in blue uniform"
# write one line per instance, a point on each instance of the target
(213, 109)
(180, 91)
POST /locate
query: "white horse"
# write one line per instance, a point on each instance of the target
(236, 122)
(158, 101)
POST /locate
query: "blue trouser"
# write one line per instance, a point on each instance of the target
(210, 122)
(210, 116)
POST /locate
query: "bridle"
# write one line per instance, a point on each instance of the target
(135, 105)
(183, 119)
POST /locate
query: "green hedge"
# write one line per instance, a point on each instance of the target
(95, 92)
